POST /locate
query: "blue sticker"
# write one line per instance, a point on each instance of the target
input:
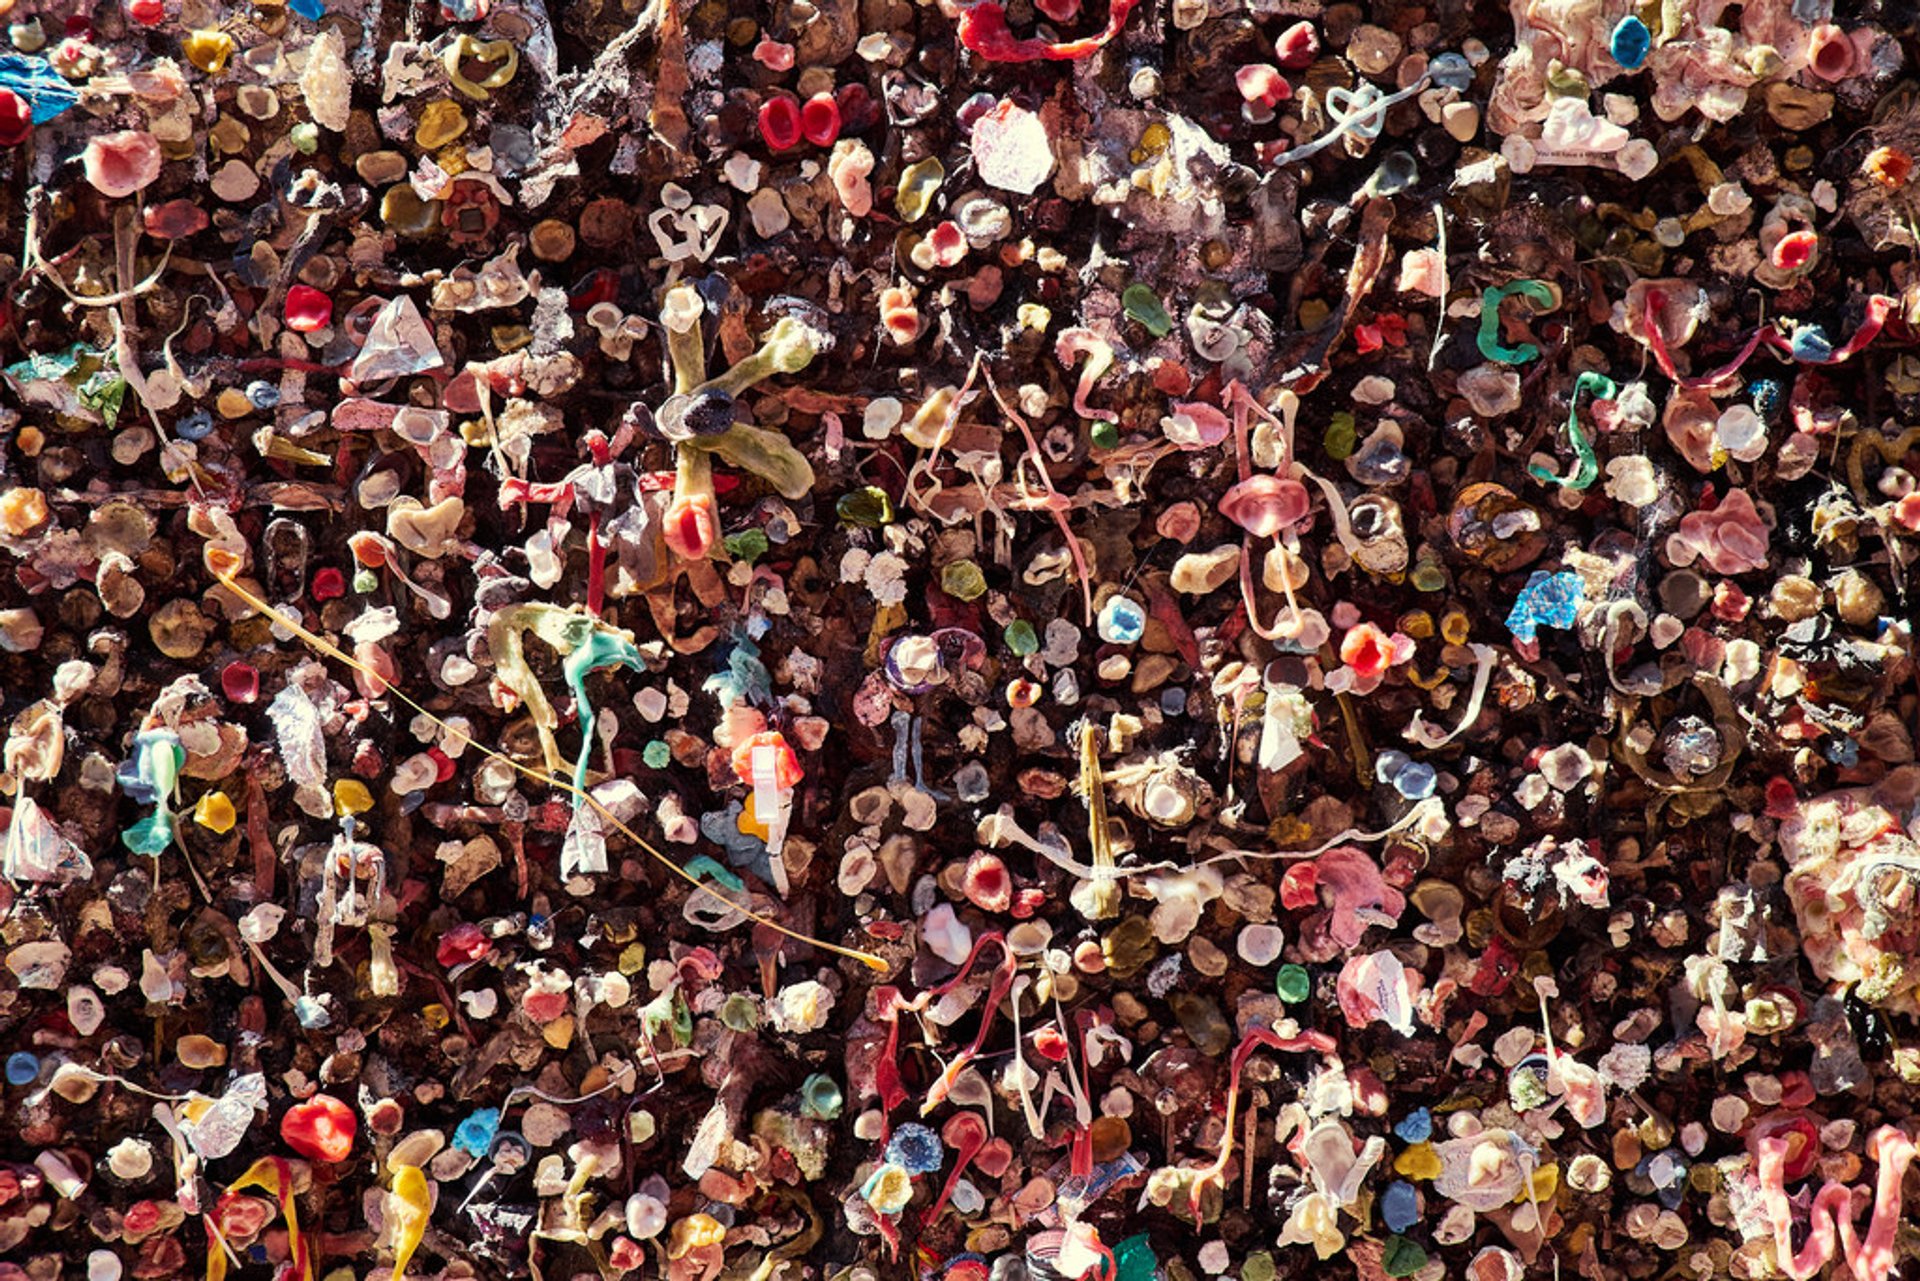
(1631, 41)
(1550, 600)
(46, 91)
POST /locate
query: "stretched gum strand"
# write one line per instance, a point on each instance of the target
(1879, 307)
(1003, 977)
(1440, 321)
(226, 577)
(1055, 502)
(1871, 1260)
(1586, 467)
(1419, 811)
(1424, 734)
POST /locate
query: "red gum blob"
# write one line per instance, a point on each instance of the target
(780, 121)
(308, 310)
(240, 682)
(1300, 887)
(1297, 46)
(367, 548)
(328, 584)
(1795, 250)
(119, 164)
(148, 13)
(819, 120)
(543, 1006)
(174, 220)
(385, 1117)
(462, 944)
(379, 674)
(1782, 800)
(691, 527)
(949, 243)
(16, 119)
(1367, 651)
(1059, 10)
(1261, 83)
(1264, 505)
(1801, 1139)
(857, 111)
(602, 284)
(1051, 1044)
(321, 1129)
(986, 883)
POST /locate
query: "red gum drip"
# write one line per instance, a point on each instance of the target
(983, 29)
(1872, 1260)
(1305, 1043)
(1002, 984)
(1083, 1137)
(966, 1134)
(890, 1006)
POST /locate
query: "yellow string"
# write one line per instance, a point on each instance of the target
(216, 555)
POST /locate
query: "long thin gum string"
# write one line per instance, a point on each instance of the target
(334, 652)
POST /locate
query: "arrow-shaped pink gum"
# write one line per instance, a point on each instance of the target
(1832, 1212)
(966, 1134)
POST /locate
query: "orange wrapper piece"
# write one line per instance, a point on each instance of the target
(787, 771)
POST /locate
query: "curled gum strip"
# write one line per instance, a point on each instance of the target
(1427, 736)
(1615, 612)
(226, 578)
(1367, 120)
(1081, 341)
(1243, 403)
(1586, 467)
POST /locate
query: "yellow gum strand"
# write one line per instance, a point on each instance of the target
(408, 1205)
(217, 556)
